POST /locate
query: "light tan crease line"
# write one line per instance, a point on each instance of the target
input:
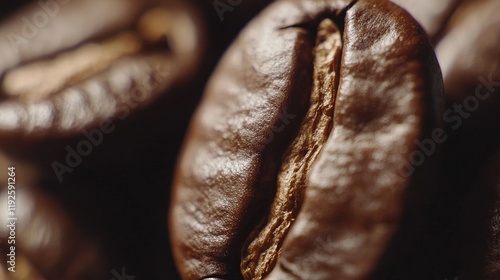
(38, 80)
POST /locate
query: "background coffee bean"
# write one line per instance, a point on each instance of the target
(453, 240)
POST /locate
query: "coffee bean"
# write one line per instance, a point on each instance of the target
(99, 81)
(48, 242)
(324, 199)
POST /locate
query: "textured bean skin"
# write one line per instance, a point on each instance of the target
(355, 193)
(232, 170)
(356, 178)
(431, 15)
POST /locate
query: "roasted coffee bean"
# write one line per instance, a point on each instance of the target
(49, 244)
(98, 81)
(471, 65)
(470, 59)
(362, 84)
(454, 237)
(41, 29)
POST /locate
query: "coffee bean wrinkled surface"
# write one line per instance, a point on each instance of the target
(324, 194)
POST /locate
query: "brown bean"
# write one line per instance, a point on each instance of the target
(362, 83)
(471, 64)
(48, 242)
(101, 81)
(302, 153)
(468, 53)
(233, 152)
(39, 29)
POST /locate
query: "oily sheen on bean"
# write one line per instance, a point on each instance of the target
(328, 195)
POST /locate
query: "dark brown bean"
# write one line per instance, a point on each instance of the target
(471, 64)
(100, 85)
(68, 24)
(470, 59)
(371, 83)
(48, 242)
(467, 48)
